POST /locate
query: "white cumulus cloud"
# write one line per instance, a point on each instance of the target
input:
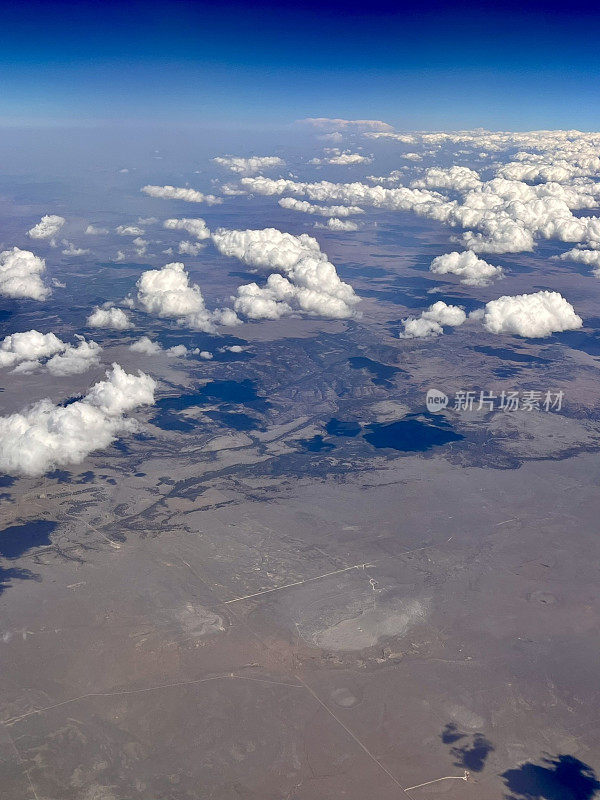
(321, 211)
(432, 321)
(195, 227)
(168, 293)
(30, 350)
(28, 346)
(180, 193)
(309, 282)
(147, 347)
(471, 270)
(335, 224)
(345, 158)
(531, 315)
(20, 272)
(47, 227)
(46, 435)
(129, 230)
(109, 317)
(249, 166)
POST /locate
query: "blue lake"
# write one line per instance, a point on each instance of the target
(381, 373)
(18, 539)
(411, 435)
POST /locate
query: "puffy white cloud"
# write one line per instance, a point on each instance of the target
(311, 283)
(47, 227)
(180, 193)
(335, 224)
(531, 315)
(395, 176)
(71, 250)
(420, 328)
(189, 248)
(141, 246)
(399, 199)
(167, 293)
(46, 436)
(129, 230)
(459, 179)
(31, 349)
(432, 321)
(557, 166)
(195, 227)
(20, 272)
(502, 215)
(471, 270)
(337, 157)
(249, 166)
(445, 314)
(109, 317)
(93, 230)
(322, 211)
(28, 346)
(146, 346)
(75, 360)
(589, 257)
(231, 190)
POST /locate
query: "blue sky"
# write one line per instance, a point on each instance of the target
(453, 65)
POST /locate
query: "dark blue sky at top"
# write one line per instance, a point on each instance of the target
(436, 65)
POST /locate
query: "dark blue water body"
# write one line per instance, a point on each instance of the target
(169, 421)
(338, 427)
(229, 392)
(316, 445)
(414, 434)
(18, 539)
(381, 373)
(561, 778)
(236, 392)
(236, 421)
(7, 480)
(506, 354)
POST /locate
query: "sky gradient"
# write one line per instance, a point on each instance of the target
(528, 65)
